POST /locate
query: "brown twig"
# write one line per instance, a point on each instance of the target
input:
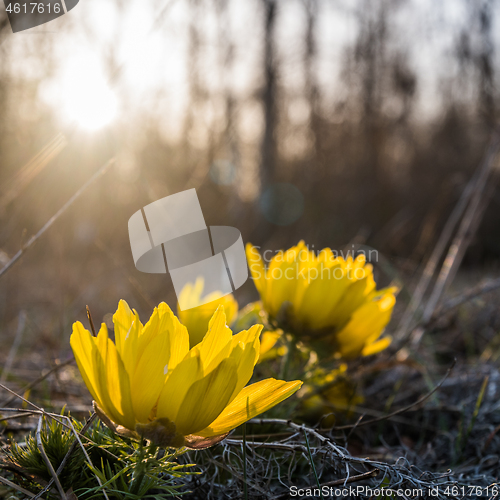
(35, 382)
(91, 322)
(274, 446)
(300, 427)
(18, 415)
(353, 479)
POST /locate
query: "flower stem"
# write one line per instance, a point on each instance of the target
(291, 348)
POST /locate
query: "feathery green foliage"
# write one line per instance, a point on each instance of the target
(126, 468)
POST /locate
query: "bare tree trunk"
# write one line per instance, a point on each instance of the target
(485, 65)
(312, 91)
(195, 92)
(370, 56)
(268, 151)
(230, 139)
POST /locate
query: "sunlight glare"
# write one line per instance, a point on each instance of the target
(87, 98)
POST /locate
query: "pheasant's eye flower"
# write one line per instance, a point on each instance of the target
(196, 318)
(321, 294)
(150, 383)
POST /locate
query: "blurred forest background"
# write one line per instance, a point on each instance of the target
(333, 121)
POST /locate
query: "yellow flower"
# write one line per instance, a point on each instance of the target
(196, 318)
(316, 294)
(150, 383)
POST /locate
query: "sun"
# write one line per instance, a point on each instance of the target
(86, 97)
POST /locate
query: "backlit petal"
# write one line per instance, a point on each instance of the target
(268, 340)
(376, 347)
(257, 267)
(127, 327)
(112, 381)
(366, 325)
(216, 345)
(250, 402)
(206, 398)
(197, 318)
(82, 344)
(178, 335)
(177, 385)
(245, 354)
(149, 376)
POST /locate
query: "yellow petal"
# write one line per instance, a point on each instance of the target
(147, 333)
(282, 280)
(250, 402)
(112, 381)
(306, 271)
(206, 398)
(365, 326)
(216, 345)
(197, 319)
(190, 295)
(127, 327)
(177, 385)
(245, 354)
(322, 295)
(82, 345)
(179, 338)
(268, 340)
(149, 376)
(355, 295)
(257, 268)
(376, 347)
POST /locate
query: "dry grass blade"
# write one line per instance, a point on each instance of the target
(15, 346)
(55, 217)
(18, 415)
(46, 459)
(473, 189)
(272, 446)
(401, 472)
(464, 235)
(61, 419)
(10, 484)
(68, 455)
